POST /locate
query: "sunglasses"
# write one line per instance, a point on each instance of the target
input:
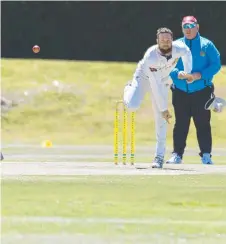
(189, 26)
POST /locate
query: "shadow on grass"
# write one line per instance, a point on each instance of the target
(170, 169)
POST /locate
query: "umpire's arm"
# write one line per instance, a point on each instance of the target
(214, 62)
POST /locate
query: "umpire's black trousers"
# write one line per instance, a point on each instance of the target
(187, 106)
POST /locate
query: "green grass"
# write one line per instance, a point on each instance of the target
(84, 112)
(182, 204)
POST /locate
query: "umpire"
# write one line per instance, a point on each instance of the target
(190, 96)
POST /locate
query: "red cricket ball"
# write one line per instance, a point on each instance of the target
(36, 49)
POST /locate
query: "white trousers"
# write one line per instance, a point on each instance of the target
(133, 96)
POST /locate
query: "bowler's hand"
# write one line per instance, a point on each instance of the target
(166, 115)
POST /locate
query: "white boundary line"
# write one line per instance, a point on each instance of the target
(96, 220)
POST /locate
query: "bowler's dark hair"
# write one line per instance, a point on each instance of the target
(164, 30)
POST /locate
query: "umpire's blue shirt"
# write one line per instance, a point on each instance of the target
(206, 60)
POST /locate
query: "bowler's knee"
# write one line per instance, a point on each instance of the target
(131, 98)
(131, 105)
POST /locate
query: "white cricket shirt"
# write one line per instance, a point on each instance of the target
(157, 68)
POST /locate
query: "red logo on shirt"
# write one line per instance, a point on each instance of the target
(153, 69)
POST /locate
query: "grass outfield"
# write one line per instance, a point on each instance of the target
(83, 112)
(116, 206)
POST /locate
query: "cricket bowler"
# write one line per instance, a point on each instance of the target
(153, 75)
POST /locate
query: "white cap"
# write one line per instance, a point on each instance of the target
(216, 104)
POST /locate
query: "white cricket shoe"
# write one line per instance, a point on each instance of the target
(157, 162)
(175, 159)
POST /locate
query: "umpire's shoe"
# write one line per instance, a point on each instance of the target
(206, 158)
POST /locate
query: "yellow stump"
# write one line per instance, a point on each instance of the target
(116, 130)
(132, 139)
(124, 134)
(124, 140)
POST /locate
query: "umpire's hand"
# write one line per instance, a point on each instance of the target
(195, 76)
(166, 115)
(182, 75)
